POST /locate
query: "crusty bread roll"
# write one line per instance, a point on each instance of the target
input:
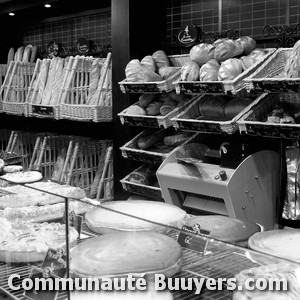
(209, 71)
(248, 43)
(227, 49)
(136, 72)
(230, 69)
(167, 107)
(167, 72)
(146, 99)
(153, 108)
(135, 110)
(123, 253)
(149, 62)
(202, 53)
(104, 221)
(190, 71)
(161, 59)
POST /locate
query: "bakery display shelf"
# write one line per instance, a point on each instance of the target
(156, 87)
(221, 87)
(190, 119)
(151, 155)
(270, 78)
(254, 121)
(152, 121)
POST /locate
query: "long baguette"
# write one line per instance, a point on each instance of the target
(151, 139)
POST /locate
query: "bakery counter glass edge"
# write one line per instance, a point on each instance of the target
(140, 244)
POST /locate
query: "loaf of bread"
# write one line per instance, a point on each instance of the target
(167, 107)
(230, 69)
(226, 49)
(247, 62)
(190, 71)
(149, 62)
(248, 43)
(235, 106)
(153, 109)
(176, 139)
(212, 107)
(136, 72)
(144, 175)
(146, 99)
(135, 110)
(166, 72)
(209, 71)
(177, 97)
(149, 139)
(257, 54)
(202, 53)
(161, 59)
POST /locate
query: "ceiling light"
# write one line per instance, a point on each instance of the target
(11, 14)
(48, 5)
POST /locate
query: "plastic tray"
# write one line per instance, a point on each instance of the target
(220, 87)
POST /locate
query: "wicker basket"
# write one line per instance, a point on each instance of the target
(15, 87)
(220, 87)
(152, 121)
(130, 150)
(141, 189)
(254, 122)
(188, 120)
(77, 101)
(269, 78)
(157, 86)
(3, 70)
(20, 147)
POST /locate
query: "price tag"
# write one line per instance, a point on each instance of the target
(53, 266)
(43, 110)
(195, 240)
(74, 221)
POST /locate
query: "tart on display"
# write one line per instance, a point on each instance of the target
(29, 242)
(23, 177)
(120, 254)
(103, 220)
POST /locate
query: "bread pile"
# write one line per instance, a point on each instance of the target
(25, 54)
(280, 115)
(145, 175)
(162, 141)
(152, 68)
(225, 59)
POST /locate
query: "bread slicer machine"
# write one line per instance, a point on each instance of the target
(247, 189)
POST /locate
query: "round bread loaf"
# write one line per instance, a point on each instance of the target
(190, 71)
(149, 62)
(248, 43)
(230, 69)
(161, 59)
(202, 53)
(209, 71)
(224, 228)
(103, 220)
(149, 294)
(120, 254)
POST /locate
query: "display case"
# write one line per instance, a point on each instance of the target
(140, 240)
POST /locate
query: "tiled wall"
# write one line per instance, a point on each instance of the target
(96, 27)
(249, 17)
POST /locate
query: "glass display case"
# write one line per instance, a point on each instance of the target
(148, 244)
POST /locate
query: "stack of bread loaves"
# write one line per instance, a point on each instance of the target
(225, 59)
(155, 67)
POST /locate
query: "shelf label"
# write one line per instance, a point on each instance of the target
(43, 110)
(194, 238)
(201, 87)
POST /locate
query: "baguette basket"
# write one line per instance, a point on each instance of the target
(3, 70)
(269, 78)
(254, 122)
(15, 87)
(220, 87)
(156, 87)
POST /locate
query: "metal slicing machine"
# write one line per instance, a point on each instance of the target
(225, 181)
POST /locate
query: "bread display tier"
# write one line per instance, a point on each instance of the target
(214, 114)
(154, 147)
(273, 115)
(143, 181)
(278, 74)
(219, 68)
(155, 111)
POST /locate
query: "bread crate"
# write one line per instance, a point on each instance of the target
(139, 188)
(270, 78)
(155, 154)
(155, 87)
(192, 120)
(15, 87)
(255, 122)
(85, 96)
(220, 87)
(152, 121)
